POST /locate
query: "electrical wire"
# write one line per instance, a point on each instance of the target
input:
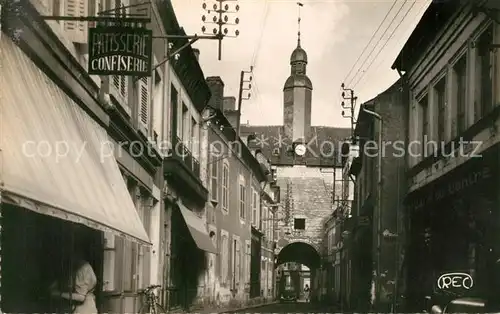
(374, 47)
(385, 44)
(371, 39)
(253, 63)
(403, 38)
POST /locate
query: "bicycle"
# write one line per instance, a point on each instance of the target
(151, 306)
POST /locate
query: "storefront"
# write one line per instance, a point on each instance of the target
(189, 243)
(52, 165)
(454, 228)
(255, 263)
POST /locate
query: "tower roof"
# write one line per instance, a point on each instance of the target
(298, 80)
(298, 54)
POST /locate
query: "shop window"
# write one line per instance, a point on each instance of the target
(299, 224)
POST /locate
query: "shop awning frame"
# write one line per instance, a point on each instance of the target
(197, 229)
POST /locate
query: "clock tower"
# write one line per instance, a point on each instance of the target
(297, 96)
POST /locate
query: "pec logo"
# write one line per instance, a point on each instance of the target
(455, 280)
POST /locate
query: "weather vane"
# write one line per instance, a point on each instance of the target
(298, 22)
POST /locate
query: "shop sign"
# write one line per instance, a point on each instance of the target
(123, 51)
(455, 186)
(455, 281)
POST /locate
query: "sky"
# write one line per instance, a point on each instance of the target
(338, 36)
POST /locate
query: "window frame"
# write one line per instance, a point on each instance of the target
(440, 98)
(423, 105)
(294, 223)
(461, 92)
(481, 108)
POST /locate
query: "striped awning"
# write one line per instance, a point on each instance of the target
(55, 158)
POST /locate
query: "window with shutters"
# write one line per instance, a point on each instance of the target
(248, 259)
(485, 68)
(225, 186)
(214, 174)
(255, 207)
(440, 98)
(119, 82)
(174, 100)
(76, 31)
(225, 258)
(144, 103)
(109, 260)
(242, 199)
(195, 138)
(237, 262)
(460, 76)
(424, 128)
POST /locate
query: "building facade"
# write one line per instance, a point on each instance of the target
(452, 118)
(107, 201)
(188, 244)
(374, 237)
(337, 268)
(237, 182)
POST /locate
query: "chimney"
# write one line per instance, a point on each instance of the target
(196, 54)
(216, 86)
(229, 103)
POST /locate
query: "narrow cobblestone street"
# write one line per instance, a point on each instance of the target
(293, 307)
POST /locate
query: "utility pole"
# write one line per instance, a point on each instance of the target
(220, 19)
(351, 107)
(241, 98)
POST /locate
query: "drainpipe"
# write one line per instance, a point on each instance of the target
(379, 204)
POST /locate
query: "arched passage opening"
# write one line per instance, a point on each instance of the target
(296, 265)
(301, 253)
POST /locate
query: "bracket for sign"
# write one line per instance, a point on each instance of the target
(192, 40)
(102, 19)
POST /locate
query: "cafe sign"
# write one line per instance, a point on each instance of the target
(120, 51)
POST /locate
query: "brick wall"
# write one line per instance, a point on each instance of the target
(309, 197)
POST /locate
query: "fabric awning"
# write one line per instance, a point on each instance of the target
(197, 229)
(54, 157)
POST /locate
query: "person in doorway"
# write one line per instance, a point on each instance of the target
(307, 293)
(77, 289)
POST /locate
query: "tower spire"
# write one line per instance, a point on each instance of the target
(298, 22)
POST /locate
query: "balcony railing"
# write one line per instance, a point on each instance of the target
(181, 152)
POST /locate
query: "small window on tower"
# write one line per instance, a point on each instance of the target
(299, 224)
(300, 68)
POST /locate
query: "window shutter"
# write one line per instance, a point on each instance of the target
(143, 92)
(76, 30)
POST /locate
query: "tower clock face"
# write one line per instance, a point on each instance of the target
(300, 150)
